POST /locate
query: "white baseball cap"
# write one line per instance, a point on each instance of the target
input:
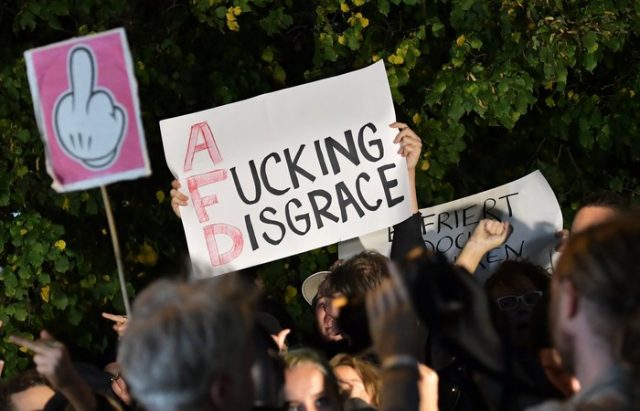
(311, 284)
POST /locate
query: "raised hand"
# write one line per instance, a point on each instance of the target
(393, 326)
(53, 362)
(51, 359)
(487, 235)
(119, 322)
(89, 124)
(281, 339)
(393, 323)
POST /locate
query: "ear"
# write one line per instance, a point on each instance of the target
(570, 299)
(221, 392)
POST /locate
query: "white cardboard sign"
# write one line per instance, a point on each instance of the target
(289, 171)
(528, 204)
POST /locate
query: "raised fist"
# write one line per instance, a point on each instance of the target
(89, 123)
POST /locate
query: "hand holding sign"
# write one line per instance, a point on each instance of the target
(89, 124)
(178, 198)
(410, 148)
(410, 144)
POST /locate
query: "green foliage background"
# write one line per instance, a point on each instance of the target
(495, 88)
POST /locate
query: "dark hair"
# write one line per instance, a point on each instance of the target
(358, 274)
(606, 199)
(603, 264)
(19, 383)
(509, 273)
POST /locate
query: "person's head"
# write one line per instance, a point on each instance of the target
(27, 391)
(310, 384)
(597, 210)
(595, 294)
(357, 378)
(349, 279)
(515, 288)
(359, 274)
(188, 346)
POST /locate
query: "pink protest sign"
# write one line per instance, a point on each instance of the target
(85, 98)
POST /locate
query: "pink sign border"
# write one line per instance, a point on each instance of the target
(102, 179)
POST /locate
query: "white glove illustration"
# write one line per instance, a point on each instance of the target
(89, 123)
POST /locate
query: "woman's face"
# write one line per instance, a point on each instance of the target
(305, 390)
(518, 314)
(351, 382)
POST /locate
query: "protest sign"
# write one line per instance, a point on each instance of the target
(289, 171)
(528, 204)
(85, 99)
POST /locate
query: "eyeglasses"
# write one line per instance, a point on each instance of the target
(510, 302)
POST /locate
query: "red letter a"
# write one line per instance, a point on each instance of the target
(209, 145)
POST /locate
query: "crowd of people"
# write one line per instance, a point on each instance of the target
(408, 332)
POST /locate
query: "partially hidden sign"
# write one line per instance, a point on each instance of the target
(529, 204)
(288, 171)
(85, 98)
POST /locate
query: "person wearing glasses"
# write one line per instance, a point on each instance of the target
(515, 289)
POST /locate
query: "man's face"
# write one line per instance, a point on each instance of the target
(326, 319)
(589, 216)
(562, 340)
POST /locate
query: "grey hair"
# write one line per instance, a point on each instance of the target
(181, 337)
